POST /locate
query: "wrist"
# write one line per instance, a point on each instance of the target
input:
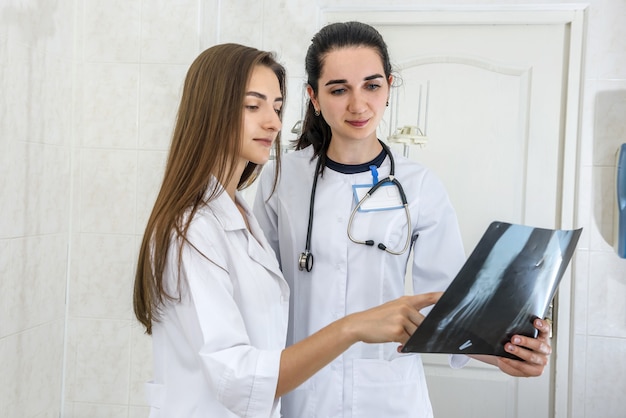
(348, 330)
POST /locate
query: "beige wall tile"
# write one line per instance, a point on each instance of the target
(605, 383)
(159, 97)
(110, 31)
(107, 109)
(100, 361)
(102, 284)
(607, 288)
(169, 31)
(107, 191)
(34, 373)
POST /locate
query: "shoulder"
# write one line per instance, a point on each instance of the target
(208, 232)
(292, 160)
(297, 159)
(294, 165)
(413, 170)
(417, 178)
(205, 227)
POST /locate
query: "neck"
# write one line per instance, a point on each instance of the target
(231, 187)
(353, 152)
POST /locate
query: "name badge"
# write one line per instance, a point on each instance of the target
(387, 197)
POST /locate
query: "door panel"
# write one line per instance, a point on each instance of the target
(496, 153)
(472, 135)
(494, 112)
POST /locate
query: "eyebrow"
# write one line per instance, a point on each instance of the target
(344, 81)
(262, 96)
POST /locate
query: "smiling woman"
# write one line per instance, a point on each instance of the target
(208, 287)
(263, 103)
(191, 291)
(339, 155)
(352, 95)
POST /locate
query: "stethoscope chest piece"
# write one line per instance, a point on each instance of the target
(305, 262)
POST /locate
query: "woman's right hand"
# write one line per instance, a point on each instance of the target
(394, 321)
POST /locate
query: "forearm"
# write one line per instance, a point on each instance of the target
(393, 321)
(305, 358)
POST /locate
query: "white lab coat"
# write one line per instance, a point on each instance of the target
(217, 351)
(369, 380)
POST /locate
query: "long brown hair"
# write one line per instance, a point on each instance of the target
(206, 142)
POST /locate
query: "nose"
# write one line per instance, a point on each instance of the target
(272, 121)
(357, 103)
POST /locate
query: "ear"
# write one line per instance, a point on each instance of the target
(390, 81)
(311, 93)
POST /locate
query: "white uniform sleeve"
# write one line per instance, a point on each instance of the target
(243, 377)
(438, 251)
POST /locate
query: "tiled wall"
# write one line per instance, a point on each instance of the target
(131, 58)
(36, 63)
(89, 91)
(600, 276)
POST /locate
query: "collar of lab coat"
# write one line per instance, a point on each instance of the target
(231, 219)
(225, 209)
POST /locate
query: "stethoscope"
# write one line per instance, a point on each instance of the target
(305, 261)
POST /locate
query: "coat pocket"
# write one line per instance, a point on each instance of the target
(390, 388)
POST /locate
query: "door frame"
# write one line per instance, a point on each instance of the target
(574, 17)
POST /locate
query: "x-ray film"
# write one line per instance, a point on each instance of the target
(506, 283)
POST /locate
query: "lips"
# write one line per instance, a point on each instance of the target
(358, 123)
(264, 141)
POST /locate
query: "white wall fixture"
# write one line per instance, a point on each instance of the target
(405, 132)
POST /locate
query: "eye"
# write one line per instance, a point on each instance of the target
(373, 86)
(337, 92)
(278, 111)
(252, 107)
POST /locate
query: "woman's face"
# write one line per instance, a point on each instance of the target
(352, 93)
(261, 123)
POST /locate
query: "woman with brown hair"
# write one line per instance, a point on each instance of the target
(208, 287)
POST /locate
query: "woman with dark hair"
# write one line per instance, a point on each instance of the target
(208, 287)
(357, 210)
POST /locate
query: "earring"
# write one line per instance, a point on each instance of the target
(317, 112)
(387, 104)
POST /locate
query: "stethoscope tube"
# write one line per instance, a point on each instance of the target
(405, 205)
(305, 261)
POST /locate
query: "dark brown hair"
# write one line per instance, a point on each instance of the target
(315, 130)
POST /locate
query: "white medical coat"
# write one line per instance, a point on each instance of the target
(217, 351)
(368, 380)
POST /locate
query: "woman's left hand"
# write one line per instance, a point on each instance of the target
(533, 353)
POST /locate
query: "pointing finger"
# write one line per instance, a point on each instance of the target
(425, 299)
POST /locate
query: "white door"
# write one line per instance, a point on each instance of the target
(498, 94)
